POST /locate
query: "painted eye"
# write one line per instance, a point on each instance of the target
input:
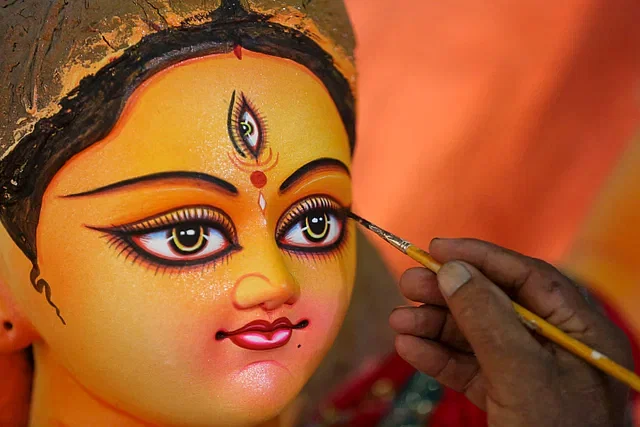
(183, 242)
(315, 224)
(188, 236)
(245, 126)
(249, 130)
(314, 229)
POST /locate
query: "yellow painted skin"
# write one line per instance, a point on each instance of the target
(139, 344)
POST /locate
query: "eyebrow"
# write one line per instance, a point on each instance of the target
(313, 166)
(161, 176)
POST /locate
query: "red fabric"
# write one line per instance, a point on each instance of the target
(353, 392)
(456, 411)
(354, 398)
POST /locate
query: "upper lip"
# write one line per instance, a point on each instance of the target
(263, 326)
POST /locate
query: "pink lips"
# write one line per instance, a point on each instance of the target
(262, 335)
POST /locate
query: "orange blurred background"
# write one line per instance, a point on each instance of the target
(506, 121)
(499, 120)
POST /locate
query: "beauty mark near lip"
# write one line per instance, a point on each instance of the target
(263, 335)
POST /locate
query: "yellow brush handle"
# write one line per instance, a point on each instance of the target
(549, 331)
(423, 258)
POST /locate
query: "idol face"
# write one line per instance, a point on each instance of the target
(199, 254)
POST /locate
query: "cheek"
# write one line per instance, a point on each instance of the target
(125, 298)
(113, 305)
(326, 285)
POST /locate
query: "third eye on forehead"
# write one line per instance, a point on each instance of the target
(246, 127)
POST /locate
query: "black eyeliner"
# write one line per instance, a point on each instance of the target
(121, 237)
(295, 213)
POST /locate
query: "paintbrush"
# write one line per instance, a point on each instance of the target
(531, 320)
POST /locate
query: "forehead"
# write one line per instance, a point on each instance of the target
(178, 120)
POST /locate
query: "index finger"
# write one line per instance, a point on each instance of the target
(421, 285)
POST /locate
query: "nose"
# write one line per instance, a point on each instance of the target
(268, 292)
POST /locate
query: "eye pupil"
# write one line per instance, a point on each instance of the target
(188, 238)
(316, 226)
(247, 128)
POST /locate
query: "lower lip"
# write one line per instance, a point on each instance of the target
(254, 340)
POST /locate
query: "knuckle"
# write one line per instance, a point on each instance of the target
(449, 330)
(549, 271)
(543, 267)
(429, 321)
(473, 378)
(442, 372)
(540, 263)
(421, 319)
(547, 277)
(550, 286)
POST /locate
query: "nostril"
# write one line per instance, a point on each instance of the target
(270, 305)
(292, 300)
(7, 326)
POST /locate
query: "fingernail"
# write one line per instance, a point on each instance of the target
(451, 277)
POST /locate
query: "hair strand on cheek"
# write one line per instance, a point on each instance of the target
(41, 285)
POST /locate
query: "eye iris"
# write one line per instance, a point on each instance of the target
(247, 128)
(316, 226)
(188, 239)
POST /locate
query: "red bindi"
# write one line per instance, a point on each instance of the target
(258, 179)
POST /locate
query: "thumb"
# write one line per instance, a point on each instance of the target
(485, 316)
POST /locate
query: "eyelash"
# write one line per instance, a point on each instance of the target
(121, 237)
(295, 214)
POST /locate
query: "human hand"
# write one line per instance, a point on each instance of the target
(467, 336)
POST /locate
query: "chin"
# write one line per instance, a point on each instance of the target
(251, 397)
(267, 384)
(259, 392)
